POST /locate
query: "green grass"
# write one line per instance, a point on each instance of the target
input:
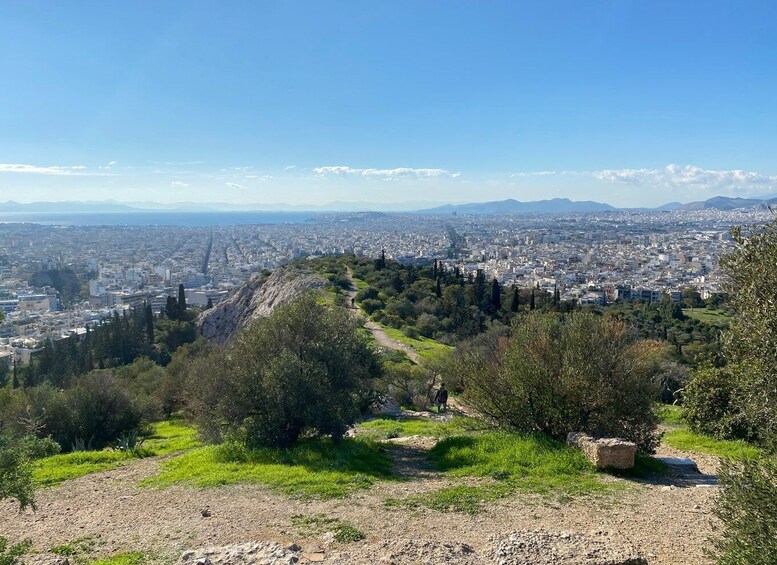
(52, 471)
(466, 499)
(686, 440)
(317, 524)
(426, 348)
(713, 317)
(506, 463)
(387, 427)
(122, 559)
(314, 468)
(670, 415)
(171, 436)
(167, 437)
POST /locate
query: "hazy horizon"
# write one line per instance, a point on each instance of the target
(633, 105)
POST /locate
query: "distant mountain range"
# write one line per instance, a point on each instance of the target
(509, 206)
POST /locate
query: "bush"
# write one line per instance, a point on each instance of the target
(747, 507)
(371, 305)
(709, 403)
(304, 370)
(97, 410)
(561, 374)
(16, 457)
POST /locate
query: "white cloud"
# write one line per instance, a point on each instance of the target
(179, 184)
(77, 170)
(234, 185)
(536, 173)
(693, 178)
(289, 167)
(400, 172)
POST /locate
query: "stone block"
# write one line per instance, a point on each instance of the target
(605, 453)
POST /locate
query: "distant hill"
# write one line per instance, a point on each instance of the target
(727, 203)
(511, 206)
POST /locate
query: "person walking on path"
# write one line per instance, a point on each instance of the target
(441, 399)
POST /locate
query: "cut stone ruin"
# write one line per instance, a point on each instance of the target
(605, 453)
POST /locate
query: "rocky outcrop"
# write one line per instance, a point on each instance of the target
(605, 453)
(550, 548)
(254, 299)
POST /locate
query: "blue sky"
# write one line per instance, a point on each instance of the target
(632, 103)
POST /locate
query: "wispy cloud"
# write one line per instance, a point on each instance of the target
(693, 178)
(176, 163)
(537, 173)
(400, 172)
(289, 167)
(235, 185)
(76, 170)
(179, 184)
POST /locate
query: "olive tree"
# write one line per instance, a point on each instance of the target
(304, 370)
(558, 374)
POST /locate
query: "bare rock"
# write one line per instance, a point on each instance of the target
(605, 453)
(256, 298)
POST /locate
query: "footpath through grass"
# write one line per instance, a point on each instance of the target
(314, 468)
(686, 440)
(167, 437)
(505, 463)
(387, 427)
(427, 349)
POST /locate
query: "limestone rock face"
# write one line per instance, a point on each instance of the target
(256, 298)
(605, 453)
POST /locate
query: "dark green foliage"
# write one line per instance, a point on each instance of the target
(181, 301)
(65, 281)
(16, 457)
(557, 375)
(711, 407)
(300, 371)
(747, 508)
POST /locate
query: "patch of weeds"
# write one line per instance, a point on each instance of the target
(462, 498)
(313, 468)
(77, 546)
(170, 436)
(532, 463)
(670, 415)
(123, 559)
(9, 554)
(686, 440)
(344, 532)
(388, 428)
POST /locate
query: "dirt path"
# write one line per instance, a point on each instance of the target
(667, 523)
(381, 337)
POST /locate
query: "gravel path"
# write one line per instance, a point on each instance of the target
(664, 522)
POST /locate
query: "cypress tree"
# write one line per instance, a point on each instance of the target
(181, 299)
(516, 300)
(171, 309)
(439, 289)
(531, 302)
(434, 270)
(496, 295)
(209, 305)
(149, 324)
(15, 382)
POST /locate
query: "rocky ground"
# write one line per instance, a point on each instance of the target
(662, 522)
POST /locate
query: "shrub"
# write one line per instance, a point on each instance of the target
(303, 370)
(371, 305)
(709, 403)
(747, 507)
(561, 374)
(16, 457)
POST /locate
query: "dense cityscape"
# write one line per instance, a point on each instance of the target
(590, 258)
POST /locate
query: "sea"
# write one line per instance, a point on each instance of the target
(144, 218)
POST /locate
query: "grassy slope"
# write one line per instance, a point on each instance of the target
(426, 348)
(686, 440)
(713, 317)
(315, 468)
(387, 428)
(167, 437)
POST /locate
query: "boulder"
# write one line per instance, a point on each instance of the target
(605, 453)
